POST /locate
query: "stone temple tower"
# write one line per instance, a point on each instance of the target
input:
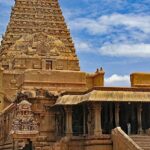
(37, 38)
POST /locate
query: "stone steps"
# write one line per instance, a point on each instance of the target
(142, 140)
(7, 146)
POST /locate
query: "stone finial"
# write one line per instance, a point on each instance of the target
(101, 69)
(97, 70)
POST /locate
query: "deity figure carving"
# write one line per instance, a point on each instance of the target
(39, 43)
(24, 120)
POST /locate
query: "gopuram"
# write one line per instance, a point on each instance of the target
(47, 103)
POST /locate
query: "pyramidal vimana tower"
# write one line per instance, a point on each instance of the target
(37, 30)
(47, 103)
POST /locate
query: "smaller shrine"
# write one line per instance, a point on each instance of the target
(24, 125)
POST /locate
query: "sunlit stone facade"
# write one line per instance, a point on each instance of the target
(47, 103)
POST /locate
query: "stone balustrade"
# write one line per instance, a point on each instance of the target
(121, 141)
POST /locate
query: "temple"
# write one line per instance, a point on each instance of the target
(48, 103)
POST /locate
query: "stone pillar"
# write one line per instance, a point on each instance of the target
(68, 110)
(10, 65)
(117, 114)
(43, 64)
(97, 121)
(139, 118)
(15, 144)
(90, 120)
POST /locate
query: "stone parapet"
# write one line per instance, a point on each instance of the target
(121, 141)
(140, 80)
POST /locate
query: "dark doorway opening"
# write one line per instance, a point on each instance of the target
(128, 117)
(28, 146)
(77, 120)
(108, 117)
(48, 65)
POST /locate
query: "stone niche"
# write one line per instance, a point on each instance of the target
(24, 124)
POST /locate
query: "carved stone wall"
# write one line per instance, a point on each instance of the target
(36, 33)
(24, 123)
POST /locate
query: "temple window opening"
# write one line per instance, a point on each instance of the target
(48, 65)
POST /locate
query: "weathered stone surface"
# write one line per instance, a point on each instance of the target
(39, 64)
(37, 34)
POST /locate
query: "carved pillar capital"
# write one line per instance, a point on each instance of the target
(117, 109)
(97, 106)
(68, 109)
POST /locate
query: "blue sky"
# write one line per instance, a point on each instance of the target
(113, 34)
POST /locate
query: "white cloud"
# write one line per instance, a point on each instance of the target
(139, 50)
(92, 26)
(105, 23)
(129, 20)
(83, 46)
(127, 50)
(133, 43)
(117, 80)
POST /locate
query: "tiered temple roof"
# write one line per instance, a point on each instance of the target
(39, 25)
